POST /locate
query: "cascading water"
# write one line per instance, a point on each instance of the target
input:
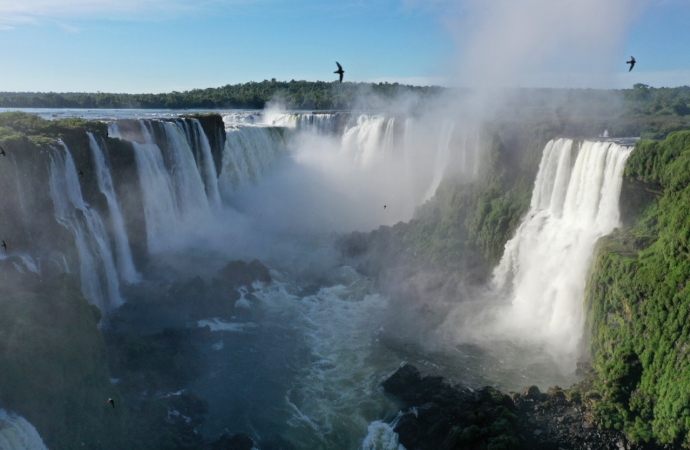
(190, 194)
(320, 123)
(249, 152)
(125, 264)
(97, 272)
(442, 156)
(544, 266)
(206, 166)
(365, 140)
(160, 210)
(16, 433)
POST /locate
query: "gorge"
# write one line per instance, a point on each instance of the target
(225, 271)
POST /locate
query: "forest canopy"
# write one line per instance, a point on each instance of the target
(642, 110)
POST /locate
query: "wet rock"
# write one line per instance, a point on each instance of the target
(449, 418)
(452, 418)
(402, 382)
(239, 273)
(532, 393)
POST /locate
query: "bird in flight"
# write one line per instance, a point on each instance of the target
(4, 245)
(2, 151)
(384, 206)
(112, 402)
(81, 174)
(631, 62)
(340, 71)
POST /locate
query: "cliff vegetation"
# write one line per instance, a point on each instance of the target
(638, 301)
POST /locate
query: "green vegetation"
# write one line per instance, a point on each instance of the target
(466, 225)
(638, 301)
(17, 126)
(294, 94)
(640, 111)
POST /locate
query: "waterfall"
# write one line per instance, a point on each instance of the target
(99, 280)
(442, 157)
(190, 194)
(364, 140)
(388, 137)
(125, 264)
(206, 166)
(249, 152)
(160, 210)
(16, 433)
(544, 265)
(20, 196)
(323, 123)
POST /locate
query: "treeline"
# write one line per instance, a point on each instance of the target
(640, 111)
(318, 95)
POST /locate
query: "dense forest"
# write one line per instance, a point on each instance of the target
(639, 111)
(317, 95)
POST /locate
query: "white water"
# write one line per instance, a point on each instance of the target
(320, 123)
(337, 394)
(206, 166)
(365, 140)
(125, 264)
(160, 210)
(249, 152)
(190, 194)
(16, 433)
(381, 436)
(97, 272)
(544, 266)
(442, 156)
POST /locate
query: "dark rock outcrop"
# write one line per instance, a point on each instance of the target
(240, 273)
(439, 416)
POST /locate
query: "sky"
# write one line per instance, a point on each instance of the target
(138, 46)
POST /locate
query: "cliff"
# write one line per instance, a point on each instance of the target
(637, 301)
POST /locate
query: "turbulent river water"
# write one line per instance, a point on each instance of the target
(306, 357)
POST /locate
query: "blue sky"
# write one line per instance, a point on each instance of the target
(165, 45)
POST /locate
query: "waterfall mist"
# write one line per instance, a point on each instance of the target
(537, 293)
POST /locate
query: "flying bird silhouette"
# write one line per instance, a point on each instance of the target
(631, 62)
(340, 71)
(384, 206)
(2, 151)
(4, 245)
(81, 174)
(112, 402)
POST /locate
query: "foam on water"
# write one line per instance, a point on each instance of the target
(217, 324)
(380, 436)
(16, 433)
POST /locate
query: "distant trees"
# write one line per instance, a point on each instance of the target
(317, 95)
